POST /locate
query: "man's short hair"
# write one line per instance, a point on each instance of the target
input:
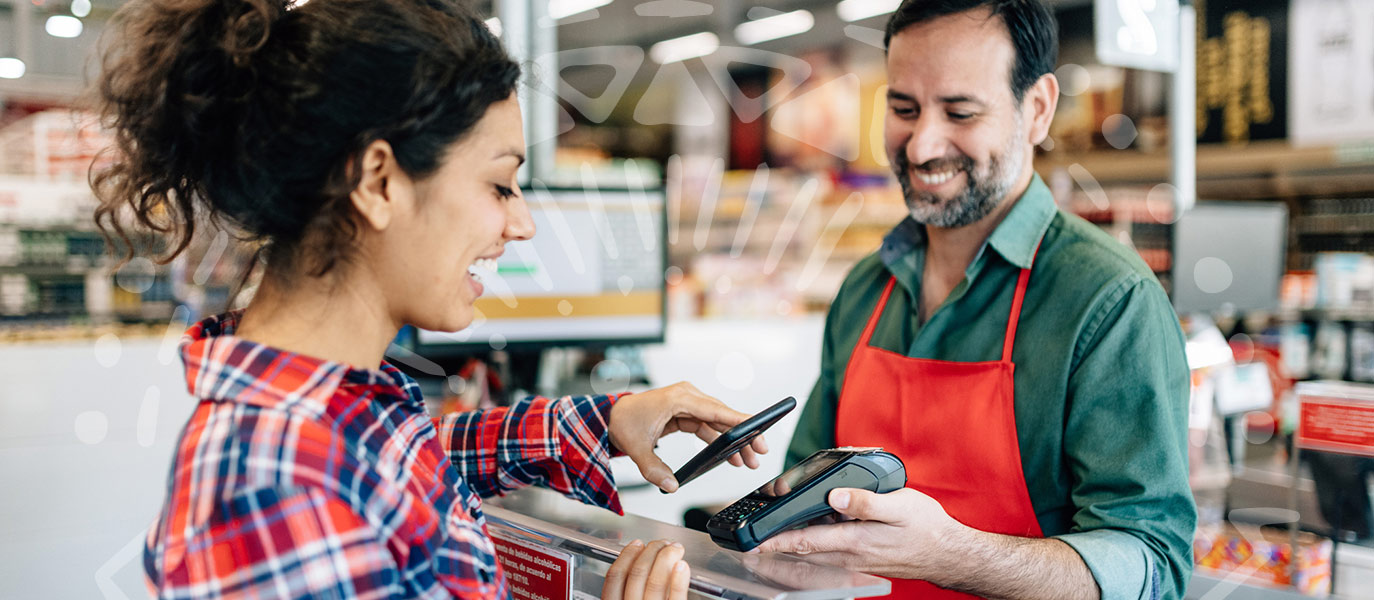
(1034, 32)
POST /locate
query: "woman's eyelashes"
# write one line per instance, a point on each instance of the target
(504, 192)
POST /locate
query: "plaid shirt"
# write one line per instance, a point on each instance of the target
(298, 477)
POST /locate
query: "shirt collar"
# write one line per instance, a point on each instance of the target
(225, 368)
(1016, 238)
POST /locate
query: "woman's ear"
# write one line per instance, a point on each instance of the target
(376, 196)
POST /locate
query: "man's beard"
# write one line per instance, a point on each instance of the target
(982, 192)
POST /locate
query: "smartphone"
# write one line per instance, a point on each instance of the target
(732, 441)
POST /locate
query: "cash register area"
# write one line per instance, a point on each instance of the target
(702, 176)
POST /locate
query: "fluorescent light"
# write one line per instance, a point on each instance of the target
(562, 9)
(11, 68)
(856, 10)
(774, 27)
(81, 8)
(683, 48)
(63, 26)
(494, 24)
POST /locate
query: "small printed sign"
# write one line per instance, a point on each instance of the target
(1336, 425)
(534, 572)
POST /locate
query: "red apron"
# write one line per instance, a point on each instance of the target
(952, 423)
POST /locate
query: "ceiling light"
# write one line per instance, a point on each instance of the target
(494, 24)
(81, 8)
(683, 48)
(562, 9)
(11, 68)
(774, 27)
(856, 10)
(63, 26)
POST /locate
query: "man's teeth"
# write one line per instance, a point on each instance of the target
(936, 178)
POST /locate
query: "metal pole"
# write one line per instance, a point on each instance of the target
(543, 116)
(23, 32)
(529, 35)
(1183, 114)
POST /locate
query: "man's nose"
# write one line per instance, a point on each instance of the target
(929, 140)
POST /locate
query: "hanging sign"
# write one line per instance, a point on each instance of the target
(1140, 34)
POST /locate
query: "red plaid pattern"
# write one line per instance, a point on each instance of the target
(297, 477)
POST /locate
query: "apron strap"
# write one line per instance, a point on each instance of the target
(1022, 283)
(877, 312)
(1009, 339)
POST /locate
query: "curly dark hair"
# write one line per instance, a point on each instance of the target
(254, 112)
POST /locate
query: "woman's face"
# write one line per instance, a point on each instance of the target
(462, 214)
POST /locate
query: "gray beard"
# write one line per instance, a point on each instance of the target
(980, 196)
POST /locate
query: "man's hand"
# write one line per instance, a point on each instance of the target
(638, 420)
(908, 535)
(901, 534)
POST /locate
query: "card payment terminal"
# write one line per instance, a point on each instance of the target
(800, 494)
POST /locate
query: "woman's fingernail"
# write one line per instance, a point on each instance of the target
(681, 567)
(635, 544)
(668, 484)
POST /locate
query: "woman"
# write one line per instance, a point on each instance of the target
(372, 145)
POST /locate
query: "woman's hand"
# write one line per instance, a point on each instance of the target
(648, 573)
(638, 420)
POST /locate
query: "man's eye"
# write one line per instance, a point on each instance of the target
(960, 116)
(903, 112)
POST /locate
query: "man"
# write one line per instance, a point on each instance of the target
(1065, 477)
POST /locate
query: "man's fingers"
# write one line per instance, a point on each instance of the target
(870, 506)
(811, 540)
(614, 586)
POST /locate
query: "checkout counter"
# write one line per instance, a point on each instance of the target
(552, 547)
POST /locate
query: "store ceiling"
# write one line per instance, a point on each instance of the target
(56, 67)
(619, 23)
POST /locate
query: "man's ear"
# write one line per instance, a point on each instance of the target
(1038, 107)
(375, 197)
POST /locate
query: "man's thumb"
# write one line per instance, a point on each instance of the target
(859, 504)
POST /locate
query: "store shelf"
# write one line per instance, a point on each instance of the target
(45, 270)
(1356, 315)
(1204, 584)
(1258, 170)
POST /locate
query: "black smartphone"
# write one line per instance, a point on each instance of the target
(732, 441)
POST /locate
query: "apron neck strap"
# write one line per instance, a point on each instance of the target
(1009, 339)
(1022, 282)
(877, 312)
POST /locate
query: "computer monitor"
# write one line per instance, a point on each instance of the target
(593, 274)
(1229, 255)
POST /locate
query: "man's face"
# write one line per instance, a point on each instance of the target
(955, 136)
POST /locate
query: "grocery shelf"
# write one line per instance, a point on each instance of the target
(1262, 169)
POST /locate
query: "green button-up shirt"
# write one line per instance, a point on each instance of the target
(1101, 381)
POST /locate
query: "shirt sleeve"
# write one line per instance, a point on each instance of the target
(562, 444)
(275, 543)
(1125, 441)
